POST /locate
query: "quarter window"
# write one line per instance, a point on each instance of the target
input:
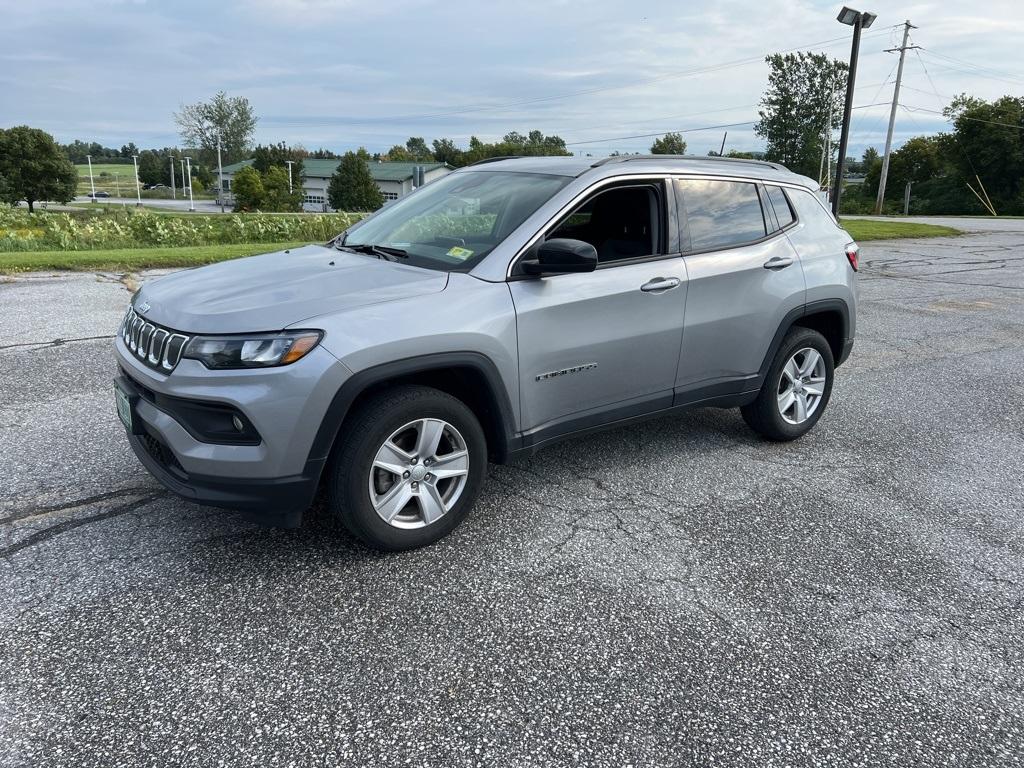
(781, 206)
(720, 214)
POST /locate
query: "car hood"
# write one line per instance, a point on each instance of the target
(277, 290)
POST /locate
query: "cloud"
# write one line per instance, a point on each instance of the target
(341, 73)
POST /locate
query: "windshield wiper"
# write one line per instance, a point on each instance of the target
(385, 252)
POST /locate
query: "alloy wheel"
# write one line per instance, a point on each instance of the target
(801, 385)
(419, 473)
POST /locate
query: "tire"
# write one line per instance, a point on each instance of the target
(386, 431)
(773, 415)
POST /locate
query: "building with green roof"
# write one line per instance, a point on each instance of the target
(393, 179)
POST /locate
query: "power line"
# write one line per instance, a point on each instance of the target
(974, 66)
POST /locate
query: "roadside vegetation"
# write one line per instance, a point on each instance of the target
(131, 259)
(870, 229)
(113, 228)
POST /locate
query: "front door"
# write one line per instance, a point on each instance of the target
(603, 345)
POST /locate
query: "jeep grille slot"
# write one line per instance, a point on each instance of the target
(153, 346)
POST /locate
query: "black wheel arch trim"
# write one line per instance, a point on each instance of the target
(804, 310)
(362, 380)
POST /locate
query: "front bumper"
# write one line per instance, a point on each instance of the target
(273, 478)
(276, 502)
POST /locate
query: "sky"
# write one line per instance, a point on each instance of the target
(601, 74)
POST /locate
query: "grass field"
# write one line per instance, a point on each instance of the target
(130, 259)
(869, 229)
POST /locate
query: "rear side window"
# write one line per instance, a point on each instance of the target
(721, 214)
(781, 206)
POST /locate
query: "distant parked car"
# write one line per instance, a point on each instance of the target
(98, 194)
(154, 186)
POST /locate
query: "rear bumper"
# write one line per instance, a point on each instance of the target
(276, 501)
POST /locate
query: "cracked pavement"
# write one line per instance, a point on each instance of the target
(674, 593)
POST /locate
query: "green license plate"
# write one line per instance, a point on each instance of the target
(124, 408)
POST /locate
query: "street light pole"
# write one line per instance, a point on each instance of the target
(138, 190)
(183, 182)
(191, 204)
(174, 193)
(289, 164)
(220, 177)
(859, 21)
(92, 186)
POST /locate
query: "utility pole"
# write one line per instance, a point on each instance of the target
(907, 26)
(191, 204)
(906, 199)
(721, 151)
(174, 193)
(92, 186)
(220, 177)
(138, 189)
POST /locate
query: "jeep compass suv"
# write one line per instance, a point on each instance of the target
(500, 308)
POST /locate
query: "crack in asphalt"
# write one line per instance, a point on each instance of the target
(56, 342)
(48, 509)
(46, 534)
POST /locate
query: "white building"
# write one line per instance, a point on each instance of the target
(393, 179)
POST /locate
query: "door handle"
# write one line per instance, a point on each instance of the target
(778, 262)
(660, 284)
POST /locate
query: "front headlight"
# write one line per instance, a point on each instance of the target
(262, 350)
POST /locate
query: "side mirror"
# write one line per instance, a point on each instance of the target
(560, 255)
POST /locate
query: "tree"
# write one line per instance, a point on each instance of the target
(669, 144)
(33, 167)
(398, 154)
(352, 188)
(231, 117)
(247, 188)
(445, 151)
(417, 148)
(803, 102)
(152, 168)
(868, 159)
(278, 155)
(276, 195)
(129, 149)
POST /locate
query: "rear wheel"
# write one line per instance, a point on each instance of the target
(796, 389)
(409, 468)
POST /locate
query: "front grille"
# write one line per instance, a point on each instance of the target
(155, 347)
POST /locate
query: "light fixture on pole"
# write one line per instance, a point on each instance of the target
(92, 186)
(859, 20)
(191, 204)
(138, 189)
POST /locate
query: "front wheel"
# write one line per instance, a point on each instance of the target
(409, 468)
(797, 388)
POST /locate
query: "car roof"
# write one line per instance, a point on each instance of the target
(620, 165)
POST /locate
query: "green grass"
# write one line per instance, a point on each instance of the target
(869, 229)
(126, 170)
(131, 259)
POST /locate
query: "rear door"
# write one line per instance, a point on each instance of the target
(603, 345)
(744, 277)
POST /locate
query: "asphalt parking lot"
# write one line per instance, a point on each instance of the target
(670, 594)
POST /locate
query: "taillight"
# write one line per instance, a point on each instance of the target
(852, 250)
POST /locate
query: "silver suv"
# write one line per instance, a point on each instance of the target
(503, 307)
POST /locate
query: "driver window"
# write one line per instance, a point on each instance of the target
(621, 223)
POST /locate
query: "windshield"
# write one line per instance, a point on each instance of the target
(456, 221)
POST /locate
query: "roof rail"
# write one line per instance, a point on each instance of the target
(714, 158)
(495, 159)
